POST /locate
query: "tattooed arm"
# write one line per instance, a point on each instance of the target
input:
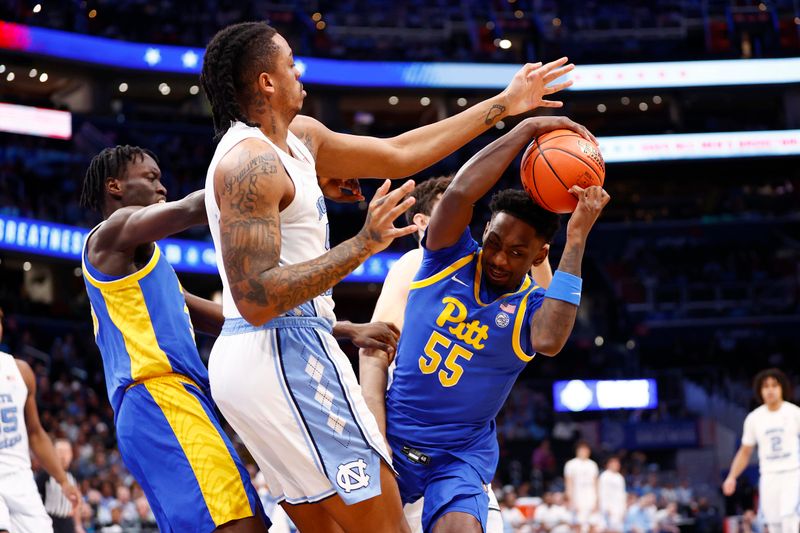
(251, 188)
(354, 156)
(552, 324)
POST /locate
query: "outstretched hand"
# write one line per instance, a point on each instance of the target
(532, 83)
(385, 207)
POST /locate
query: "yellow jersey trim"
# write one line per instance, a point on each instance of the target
(443, 274)
(518, 320)
(127, 280)
(478, 276)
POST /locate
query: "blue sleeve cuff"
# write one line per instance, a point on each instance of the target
(565, 287)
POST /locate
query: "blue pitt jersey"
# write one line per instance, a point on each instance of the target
(142, 326)
(460, 352)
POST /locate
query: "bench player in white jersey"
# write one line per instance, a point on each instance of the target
(775, 428)
(580, 477)
(612, 496)
(276, 374)
(21, 507)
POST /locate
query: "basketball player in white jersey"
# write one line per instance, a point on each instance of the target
(580, 477)
(276, 373)
(775, 428)
(612, 496)
(21, 507)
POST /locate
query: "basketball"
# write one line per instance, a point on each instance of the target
(556, 161)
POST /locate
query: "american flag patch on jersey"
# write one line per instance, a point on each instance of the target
(508, 308)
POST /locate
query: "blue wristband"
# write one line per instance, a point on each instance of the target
(565, 287)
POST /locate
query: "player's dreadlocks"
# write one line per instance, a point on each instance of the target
(233, 58)
(518, 204)
(110, 163)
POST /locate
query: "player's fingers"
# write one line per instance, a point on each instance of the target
(548, 67)
(394, 329)
(550, 89)
(551, 103)
(401, 208)
(577, 191)
(393, 198)
(527, 68)
(396, 233)
(555, 74)
(381, 192)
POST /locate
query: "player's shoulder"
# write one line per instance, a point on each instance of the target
(756, 413)
(411, 260)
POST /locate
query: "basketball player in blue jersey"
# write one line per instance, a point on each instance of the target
(167, 429)
(474, 319)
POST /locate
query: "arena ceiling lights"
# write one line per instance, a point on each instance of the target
(185, 60)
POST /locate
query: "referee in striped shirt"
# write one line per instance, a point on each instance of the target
(55, 503)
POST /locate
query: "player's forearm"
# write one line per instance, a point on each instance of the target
(740, 462)
(420, 148)
(263, 296)
(484, 169)
(41, 445)
(552, 324)
(373, 368)
(206, 315)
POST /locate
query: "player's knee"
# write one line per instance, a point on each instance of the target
(457, 522)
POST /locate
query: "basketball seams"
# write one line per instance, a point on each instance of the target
(535, 186)
(574, 156)
(544, 158)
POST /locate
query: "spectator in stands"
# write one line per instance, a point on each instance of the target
(544, 461)
(513, 519)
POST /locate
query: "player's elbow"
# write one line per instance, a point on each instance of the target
(548, 345)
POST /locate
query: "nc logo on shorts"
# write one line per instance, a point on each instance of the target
(352, 476)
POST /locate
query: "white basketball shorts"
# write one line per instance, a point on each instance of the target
(21, 507)
(779, 495)
(290, 393)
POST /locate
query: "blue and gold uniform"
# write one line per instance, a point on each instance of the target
(167, 429)
(460, 352)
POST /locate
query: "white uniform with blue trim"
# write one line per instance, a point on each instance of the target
(286, 387)
(21, 507)
(777, 435)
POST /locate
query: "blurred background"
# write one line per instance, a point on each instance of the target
(692, 276)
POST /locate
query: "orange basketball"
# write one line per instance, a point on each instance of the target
(556, 161)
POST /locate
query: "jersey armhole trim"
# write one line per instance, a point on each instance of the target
(130, 279)
(430, 280)
(518, 321)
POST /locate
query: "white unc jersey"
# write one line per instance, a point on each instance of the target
(304, 222)
(777, 434)
(14, 454)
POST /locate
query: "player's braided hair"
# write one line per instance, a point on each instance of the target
(233, 58)
(518, 204)
(109, 163)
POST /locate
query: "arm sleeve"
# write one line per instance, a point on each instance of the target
(434, 261)
(749, 433)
